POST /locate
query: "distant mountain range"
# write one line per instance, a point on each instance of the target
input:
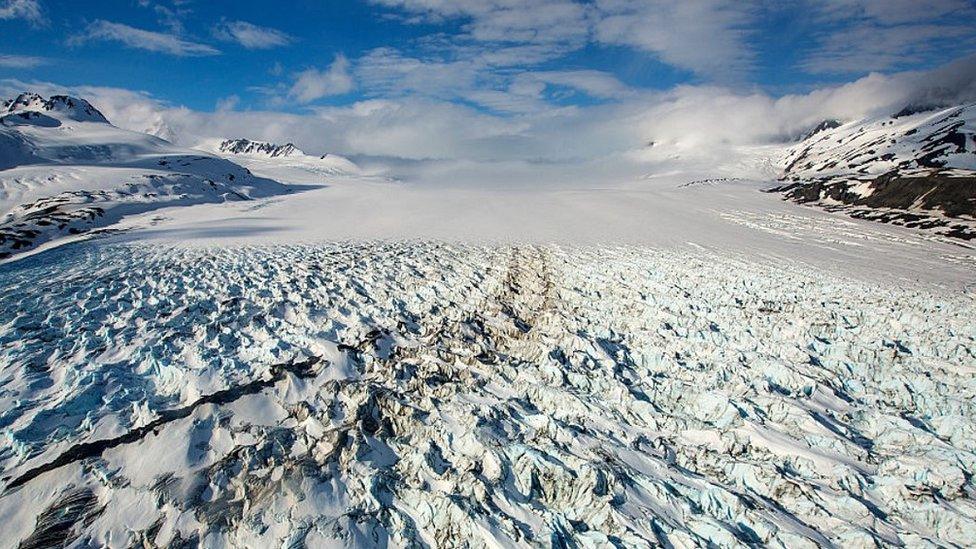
(915, 168)
(262, 156)
(271, 150)
(66, 170)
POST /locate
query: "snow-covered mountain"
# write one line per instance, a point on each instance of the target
(259, 148)
(60, 106)
(65, 170)
(915, 168)
(283, 162)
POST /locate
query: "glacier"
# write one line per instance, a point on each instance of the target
(438, 394)
(241, 345)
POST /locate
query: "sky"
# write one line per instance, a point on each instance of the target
(487, 80)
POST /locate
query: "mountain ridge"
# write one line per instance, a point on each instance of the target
(265, 155)
(915, 168)
(61, 106)
(65, 171)
(259, 148)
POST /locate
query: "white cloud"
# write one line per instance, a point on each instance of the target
(540, 21)
(535, 21)
(597, 84)
(29, 10)
(872, 47)
(477, 77)
(705, 121)
(426, 137)
(872, 35)
(21, 61)
(228, 103)
(499, 56)
(312, 84)
(142, 39)
(714, 39)
(251, 36)
(707, 37)
(169, 13)
(893, 11)
(386, 71)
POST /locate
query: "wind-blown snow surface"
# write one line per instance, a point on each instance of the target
(398, 393)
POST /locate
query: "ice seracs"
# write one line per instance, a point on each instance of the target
(420, 394)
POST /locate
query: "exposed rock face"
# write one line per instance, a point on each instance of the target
(258, 154)
(915, 108)
(246, 146)
(821, 127)
(64, 106)
(404, 394)
(917, 168)
(29, 118)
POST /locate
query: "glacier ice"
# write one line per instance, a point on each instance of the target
(460, 395)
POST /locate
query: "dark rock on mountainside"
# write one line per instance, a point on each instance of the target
(821, 127)
(29, 118)
(61, 106)
(246, 146)
(914, 108)
(916, 168)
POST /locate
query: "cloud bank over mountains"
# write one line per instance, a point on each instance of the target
(628, 136)
(522, 83)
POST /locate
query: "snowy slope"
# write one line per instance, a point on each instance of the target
(286, 162)
(64, 169)
(911, 168)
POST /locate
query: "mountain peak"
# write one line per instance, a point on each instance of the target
(261, 148)
(823, 126)
(59, 106)
(917, 170)
(916, 108)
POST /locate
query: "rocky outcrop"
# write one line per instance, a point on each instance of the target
(61, 106)
(823, 126)
(246, 146)
(917, 168)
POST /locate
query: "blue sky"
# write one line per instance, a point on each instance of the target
(498, 56)
(513, 84)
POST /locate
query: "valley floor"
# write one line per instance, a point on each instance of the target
(423, 393)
